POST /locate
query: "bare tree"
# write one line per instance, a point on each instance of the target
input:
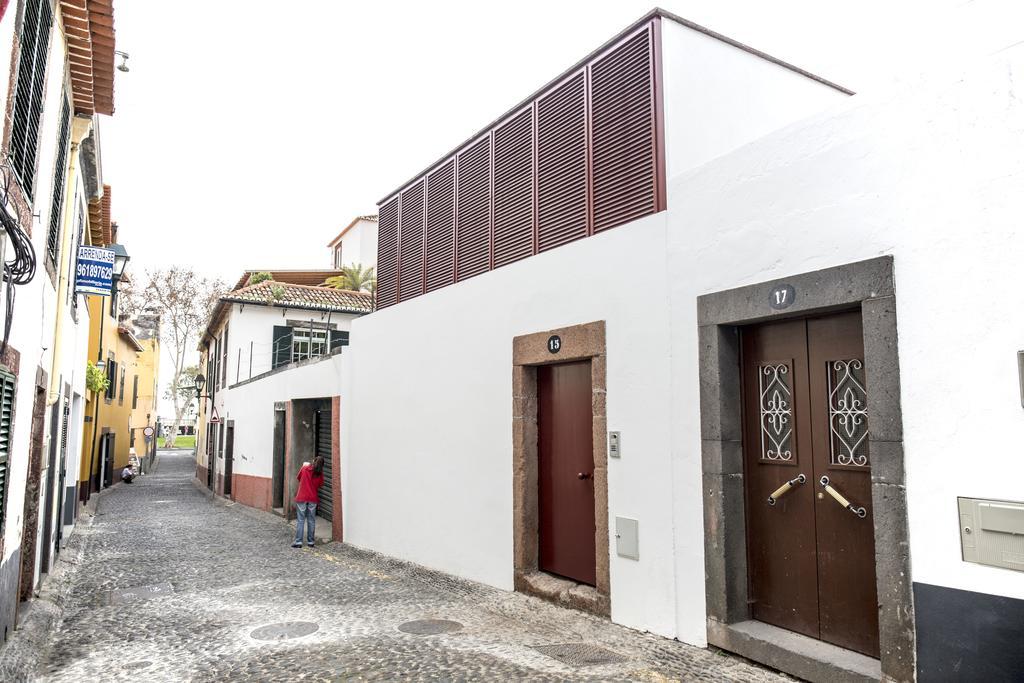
(185, 301)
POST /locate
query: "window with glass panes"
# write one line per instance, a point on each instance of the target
(307, 343)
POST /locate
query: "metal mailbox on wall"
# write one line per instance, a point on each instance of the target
(992, 532)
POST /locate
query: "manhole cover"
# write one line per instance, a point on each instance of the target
(430, 627)
(129, 595)
(285, 630)
(580, 654)
(138, 665)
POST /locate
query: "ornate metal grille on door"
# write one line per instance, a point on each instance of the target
(776, 402)
(847, 413)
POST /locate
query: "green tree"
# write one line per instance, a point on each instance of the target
(185, 300)
(354, 278)
(257, 278)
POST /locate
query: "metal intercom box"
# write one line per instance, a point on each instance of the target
(992, 532)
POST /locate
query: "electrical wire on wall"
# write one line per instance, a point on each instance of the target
(20, 269)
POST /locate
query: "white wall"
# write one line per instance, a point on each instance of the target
(251, 406)
(368, 244)
(718, 97)
(932, 176)
(254, 323)
(429, 455)
(35, 305)
(359, 245)
(428, 432)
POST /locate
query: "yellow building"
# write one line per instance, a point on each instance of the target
(143, 382)
(108, 416)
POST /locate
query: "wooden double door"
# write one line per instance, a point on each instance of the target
(810, 529)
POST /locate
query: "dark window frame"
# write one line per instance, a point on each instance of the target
(59, 180)
(111, 391)
(27, 108)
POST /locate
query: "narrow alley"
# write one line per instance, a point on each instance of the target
(174, 586)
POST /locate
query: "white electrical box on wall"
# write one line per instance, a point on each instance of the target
(1020, 373)
(992, 532)
(627, 538)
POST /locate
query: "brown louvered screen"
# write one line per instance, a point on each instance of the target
(622, 104)
(440, 247)
(562, 164)
(410, 277)
(387, 254)
(513, 189)
(582, 157)
(473, 221)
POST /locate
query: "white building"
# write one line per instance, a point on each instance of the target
(61, 66)
(271, 355)
(356, 243)
(793, 434)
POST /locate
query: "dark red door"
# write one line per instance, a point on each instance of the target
(565, 467)
(808, 480)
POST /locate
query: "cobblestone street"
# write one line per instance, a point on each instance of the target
(172, 586)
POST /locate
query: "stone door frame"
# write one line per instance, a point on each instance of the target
(869, 286)
(577, 343)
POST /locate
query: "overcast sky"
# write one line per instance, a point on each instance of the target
(246, 136)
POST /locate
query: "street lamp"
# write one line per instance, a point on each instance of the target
(200, 383)
(121, 259)
(123, 66)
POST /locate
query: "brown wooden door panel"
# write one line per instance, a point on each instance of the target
(811, 560)
(564, 452)
(848, 602)
(780, 538)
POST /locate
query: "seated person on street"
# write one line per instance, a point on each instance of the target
(127, 474)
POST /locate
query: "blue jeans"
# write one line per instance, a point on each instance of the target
(305, 513)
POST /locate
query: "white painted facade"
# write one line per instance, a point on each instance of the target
(438, 491)
(251, 407)
(930, 176)
(35, 321)
(250, 345)
(250, 353)
(356, 244)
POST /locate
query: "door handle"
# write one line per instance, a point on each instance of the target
(583, 475)
(784, 489)
(859, 511)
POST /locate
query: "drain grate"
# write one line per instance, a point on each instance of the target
(580, 654)
(129, 595)
(430, 627)
(144, 664)
(285, 630)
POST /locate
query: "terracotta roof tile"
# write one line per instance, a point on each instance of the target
(284, 294)
(294, 277)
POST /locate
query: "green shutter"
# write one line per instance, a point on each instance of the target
(339, 338)
(281, 351)
(6, 418)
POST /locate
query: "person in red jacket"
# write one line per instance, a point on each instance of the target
(311, 478)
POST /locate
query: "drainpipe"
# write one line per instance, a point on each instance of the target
(80, 127)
